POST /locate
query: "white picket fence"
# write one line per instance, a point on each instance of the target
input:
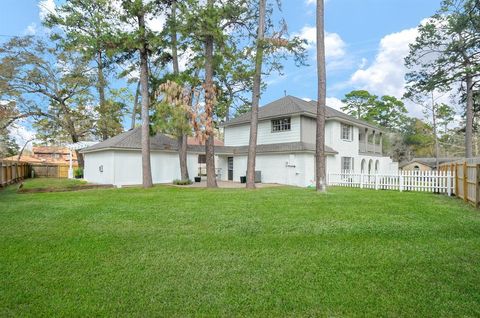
(422, 181)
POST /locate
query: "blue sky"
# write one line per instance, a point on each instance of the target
(366, 43)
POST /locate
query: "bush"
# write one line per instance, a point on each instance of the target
(78, 173)
(182, 182)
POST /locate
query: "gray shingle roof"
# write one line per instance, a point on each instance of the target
(431, 162)
(290, 105)
(132, 139)
(273, 148)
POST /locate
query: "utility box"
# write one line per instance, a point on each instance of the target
(258, 177)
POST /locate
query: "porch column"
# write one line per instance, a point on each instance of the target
(381, 143)
(70, 168)
(374, 141)
(366, 140)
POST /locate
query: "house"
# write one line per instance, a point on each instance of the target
(285, 151)
(424, 164)
(53, 155)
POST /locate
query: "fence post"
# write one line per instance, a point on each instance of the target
(477, 187)
(456, 179)
(400, 181)
(465, 181)
(376, 181)
(449, 183)
(361, 180)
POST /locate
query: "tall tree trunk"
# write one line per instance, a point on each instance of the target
(182, 138)
(176, 68)
(469, 113)
(209, 98)
(146, 166)
(182, 150)
(135, 106)
(435, 135)
(320, 168)
(101, 94)
(257, 81)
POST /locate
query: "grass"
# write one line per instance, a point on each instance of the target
(52, 183)
(272, 252)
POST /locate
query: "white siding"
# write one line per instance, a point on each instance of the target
(239, 135)
(289, 169)
(96, 161)
(124, 167)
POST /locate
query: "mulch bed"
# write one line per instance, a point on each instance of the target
(74, 188)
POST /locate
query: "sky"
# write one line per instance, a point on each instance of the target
(366, 42)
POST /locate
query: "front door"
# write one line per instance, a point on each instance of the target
(230, 168)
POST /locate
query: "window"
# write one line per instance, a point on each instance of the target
(347, 164)
(202, 159)
(283, 124)
(347, 132)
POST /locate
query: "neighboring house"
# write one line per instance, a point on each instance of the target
(424, 164)
(48, 161)
(285, 151)
(46, 155)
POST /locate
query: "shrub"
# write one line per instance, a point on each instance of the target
(182, 182)
(78, 173)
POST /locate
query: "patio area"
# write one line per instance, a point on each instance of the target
(231, 185)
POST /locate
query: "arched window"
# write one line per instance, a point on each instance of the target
(370, 166)
(416, 168)
(377, 166)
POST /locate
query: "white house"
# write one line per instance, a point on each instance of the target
(285, 151)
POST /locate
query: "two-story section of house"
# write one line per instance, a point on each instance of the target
(286, 144)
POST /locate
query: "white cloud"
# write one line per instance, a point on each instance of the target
(334, 44)
(386, 75)
(335, 103)
(31, 29)
(21, 134)
(46, 7)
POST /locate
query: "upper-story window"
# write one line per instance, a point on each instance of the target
(347, 132)
(283, 124)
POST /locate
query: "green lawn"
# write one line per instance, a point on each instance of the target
(268, 253)
(51, 183)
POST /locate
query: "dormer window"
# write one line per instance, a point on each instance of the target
(347, 132)
(283, 124)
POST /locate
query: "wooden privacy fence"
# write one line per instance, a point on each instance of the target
(51, 170)
(422, 181)
(12, 172)
(467, 179)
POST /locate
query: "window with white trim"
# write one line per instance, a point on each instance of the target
(347, 132)
(283, 124)
(347, 164)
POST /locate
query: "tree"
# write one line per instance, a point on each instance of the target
(270, 49)
(445, 53)
(256, 95)
(359, 103)
(48, 84)
(87, 27)
(8, 145)
(388, 112)
(320, 168)
(172, 117)
(212, 30)
(141, 40)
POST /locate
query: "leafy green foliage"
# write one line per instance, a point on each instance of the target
(49, 84)
(182, 182)
(387, 111)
